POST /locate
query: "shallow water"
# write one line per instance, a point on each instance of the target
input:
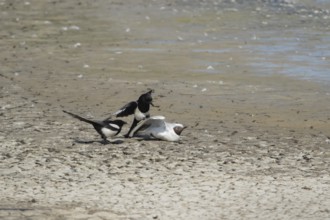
(164, 37)
(275, 37)
(306, 56)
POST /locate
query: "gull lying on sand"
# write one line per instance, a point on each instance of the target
(156, 127)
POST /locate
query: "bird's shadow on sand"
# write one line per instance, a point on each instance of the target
(151, 139)
(139, 139)
(79, 141)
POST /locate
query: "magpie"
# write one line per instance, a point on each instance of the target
(139, 108)
(105, 128)
(156, 127)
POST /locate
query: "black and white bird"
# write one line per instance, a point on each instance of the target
(156, 127)
(105, 128)
(139, 108)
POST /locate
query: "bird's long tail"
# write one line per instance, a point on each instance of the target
(79, 117)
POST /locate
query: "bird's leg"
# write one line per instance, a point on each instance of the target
(105, 141)
(135, 122)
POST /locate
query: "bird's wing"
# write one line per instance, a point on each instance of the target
(148, 125)
(126, 110)
(112, 126)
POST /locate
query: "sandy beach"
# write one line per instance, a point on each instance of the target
(257, 142)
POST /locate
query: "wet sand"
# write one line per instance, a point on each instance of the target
(256, 146)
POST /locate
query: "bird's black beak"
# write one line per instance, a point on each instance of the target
(152, 104)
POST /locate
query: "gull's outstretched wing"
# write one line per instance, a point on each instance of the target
(148, 126)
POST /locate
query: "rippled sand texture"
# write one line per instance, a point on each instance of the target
(248, 78)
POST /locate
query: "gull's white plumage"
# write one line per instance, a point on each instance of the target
(157, 127)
